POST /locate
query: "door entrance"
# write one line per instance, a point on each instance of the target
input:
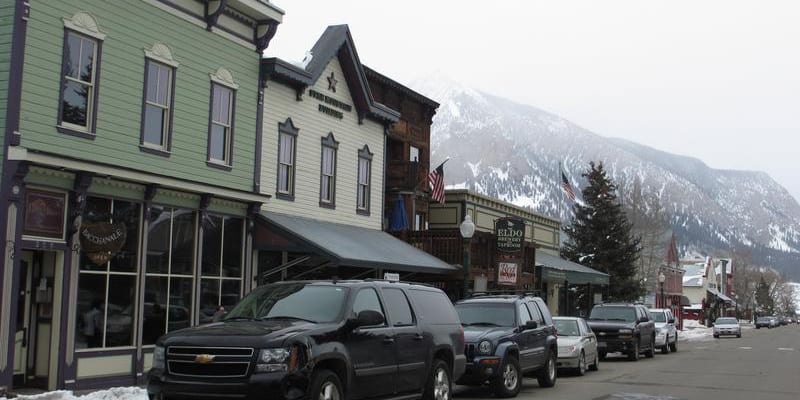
(34, 334)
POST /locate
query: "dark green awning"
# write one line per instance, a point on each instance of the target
(557, 269)
(354, 246)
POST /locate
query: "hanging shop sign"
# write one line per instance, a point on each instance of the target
(102, 240)
(45, 215)
(507, 274)
(510, 234)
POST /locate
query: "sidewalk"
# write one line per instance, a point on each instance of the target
(119, 393)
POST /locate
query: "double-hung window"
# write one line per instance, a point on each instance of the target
(287, 150)
(157, 107)
(220, 136)
(79, 83)
(363, 181)
(327, 184)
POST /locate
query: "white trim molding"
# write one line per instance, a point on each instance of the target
(84, 23)
(224, 78)
(162, 53)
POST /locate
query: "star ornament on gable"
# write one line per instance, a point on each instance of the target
(332, 83)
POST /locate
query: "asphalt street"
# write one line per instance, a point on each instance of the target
(763, 364)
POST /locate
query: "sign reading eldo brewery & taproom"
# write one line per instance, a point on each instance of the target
(510, 234)
(101, 240)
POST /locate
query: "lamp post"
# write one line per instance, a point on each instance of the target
(467, 229)
(661, 279)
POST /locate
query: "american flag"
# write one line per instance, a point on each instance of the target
(567, 186)
(436, 181)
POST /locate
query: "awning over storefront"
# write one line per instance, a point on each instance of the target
(558, 269)
(353, 246)
(720, 295)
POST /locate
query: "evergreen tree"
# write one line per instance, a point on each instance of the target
(600, 236)
(766, 304)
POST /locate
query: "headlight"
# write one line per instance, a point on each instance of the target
(273, 360)
(158, 357)
(485, 347)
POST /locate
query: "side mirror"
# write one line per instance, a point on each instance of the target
(644, 319)
(530, 325)
(368, 318)
(671, 320)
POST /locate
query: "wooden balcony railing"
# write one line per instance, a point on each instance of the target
(405, 175)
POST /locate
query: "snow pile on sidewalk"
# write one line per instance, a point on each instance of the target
(694, 331)
(119, 393)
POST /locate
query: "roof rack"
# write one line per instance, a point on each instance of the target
(508, 292)
(391, 281)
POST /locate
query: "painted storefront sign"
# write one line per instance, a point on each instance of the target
(101, 240)
(507, 274)
(510, 234)
(45, 214)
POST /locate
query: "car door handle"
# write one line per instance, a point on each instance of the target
(388, 340)
(418, 337)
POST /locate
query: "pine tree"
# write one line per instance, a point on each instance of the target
(600, 236)
(766, 305)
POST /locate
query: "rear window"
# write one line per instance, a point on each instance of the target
(658, 316)
(434, 307)
(620, 314)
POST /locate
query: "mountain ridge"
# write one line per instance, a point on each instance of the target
(515, 152)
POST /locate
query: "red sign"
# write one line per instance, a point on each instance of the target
(44, 214)
(507, 274)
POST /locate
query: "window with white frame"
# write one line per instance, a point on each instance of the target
(157, 107)
(221, 270)
(287, 150)
(220, 133)
(169, 271)
(363, 180)
(107, 280)
(327, 186)
(79, 82)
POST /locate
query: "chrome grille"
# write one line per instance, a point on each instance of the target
(209, 362)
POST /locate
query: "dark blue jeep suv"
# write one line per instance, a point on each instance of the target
(507, 336)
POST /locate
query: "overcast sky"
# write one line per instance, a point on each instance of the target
(716, 80)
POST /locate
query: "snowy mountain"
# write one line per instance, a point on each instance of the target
(512, 151)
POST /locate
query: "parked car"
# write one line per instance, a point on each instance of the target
(727, 326)
(324, 339)
(577, 345)
(666, 332)
(625, 328)
(773, 320)
(508, 336)
(764, 322)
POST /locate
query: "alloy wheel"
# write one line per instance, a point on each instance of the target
(510, 377)
(441, 385)
(329, 391)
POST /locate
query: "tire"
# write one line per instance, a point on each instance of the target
(758, 327)
(581, 370)
(651, 352)
(325, 385)
(716, 336)
(665, 348)
(602, 354)
(596, 364)
(440, 382)
(633, 355)
(547, 375)
(739, 335)
(509, 383)
(673, 347)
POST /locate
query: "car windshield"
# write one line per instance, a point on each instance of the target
(626, 314)
(658, 316)
(763, 319)
(566, 327)
(313, 303)
(486, 314)
(725, 321)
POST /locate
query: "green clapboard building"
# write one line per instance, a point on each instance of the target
(130, 177)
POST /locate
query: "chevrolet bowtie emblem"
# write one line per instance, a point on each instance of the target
(204, 358)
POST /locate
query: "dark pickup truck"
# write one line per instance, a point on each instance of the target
(625, 328)
(327, 340)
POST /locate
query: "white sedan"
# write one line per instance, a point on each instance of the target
(727, 326)
(577, 345)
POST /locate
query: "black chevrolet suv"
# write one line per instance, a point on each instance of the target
(508, 335)
(331, 340)
(625, 328)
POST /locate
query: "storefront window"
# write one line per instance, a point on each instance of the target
(109, 238)
(169, 278)
(221, 284)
